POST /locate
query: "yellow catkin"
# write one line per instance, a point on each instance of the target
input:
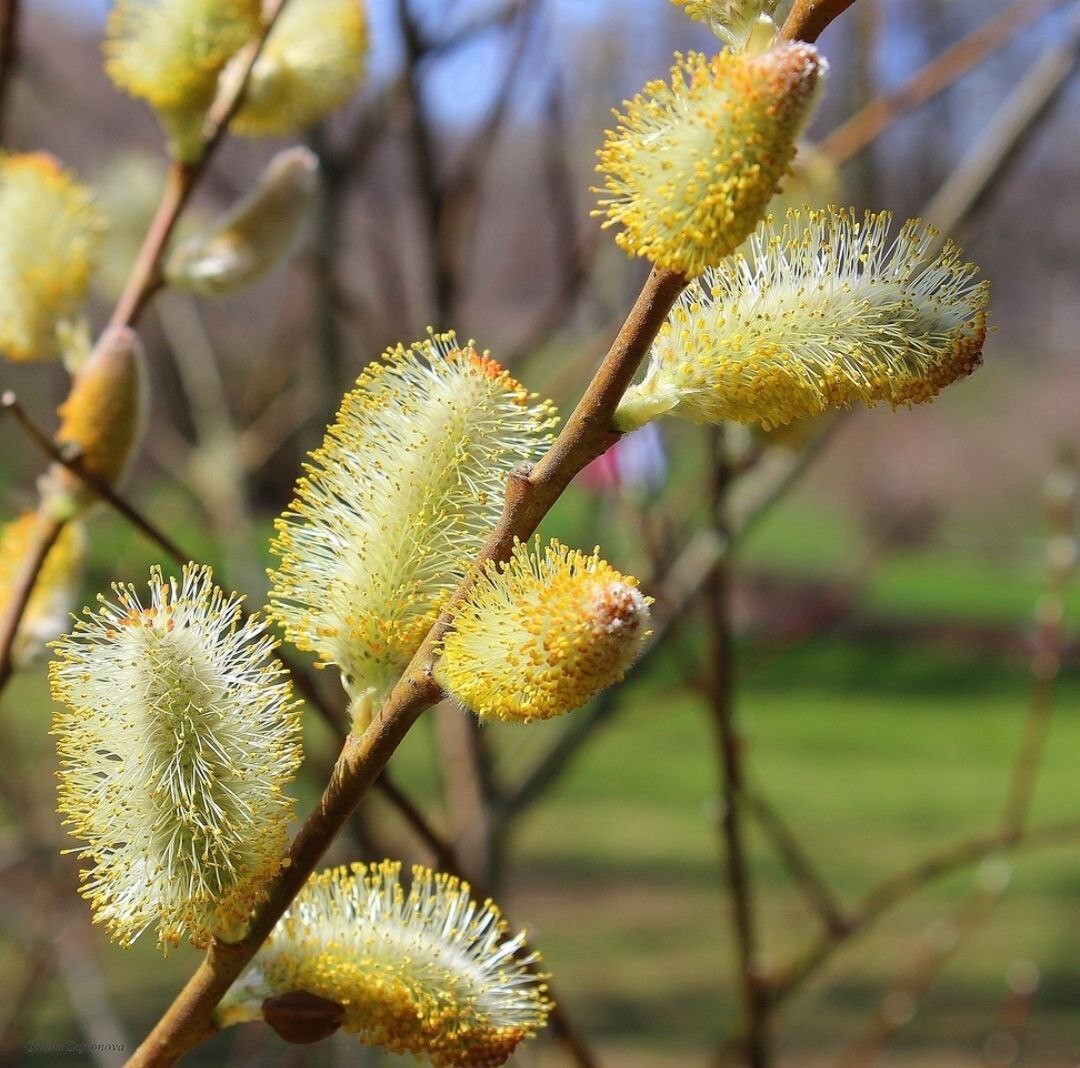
(542, 634)
(820, 312)
(396, 503)
(53, 598)
(422, 969)
(312, 63)
(171, 52)
(693, 163)
(176, 735)
(50, 234)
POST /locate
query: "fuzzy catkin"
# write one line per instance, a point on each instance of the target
(693, 163)
(818, 312)
(422, 969)
(541, 634)
(395, 505)
(176, 734)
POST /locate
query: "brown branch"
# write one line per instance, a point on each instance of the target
(810, 882)
(753, 1044)
(809, 18)
(869, 123)
(9, 57)
(1011, 127)
(72, 461)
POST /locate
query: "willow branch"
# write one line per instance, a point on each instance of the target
(809, 18)
(1011, 127)
(9, 56)
(530, 494)
(869, 123)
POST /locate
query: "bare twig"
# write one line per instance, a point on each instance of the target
(869, 123)
(753, 1042)
(1011, 127)
(72, 461)
(9, 57)
(809, 880)
(899, 887)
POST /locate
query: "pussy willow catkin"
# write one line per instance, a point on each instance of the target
(817, 312)
(312, 62)
(170, 53)
(542, 634)
(176, 734)
(50, 234)
(395, 505)
(693, 163)
(422, 969)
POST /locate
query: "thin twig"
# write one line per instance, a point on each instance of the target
(815, 890)
(753, 1042)
(9, 57)
(1012, 125)
(870, 122)
(72, 461)
(899, 887)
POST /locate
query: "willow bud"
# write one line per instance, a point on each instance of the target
(101, 419)
(542, 634)
(246, 242)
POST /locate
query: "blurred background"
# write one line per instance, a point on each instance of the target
(879, 582)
